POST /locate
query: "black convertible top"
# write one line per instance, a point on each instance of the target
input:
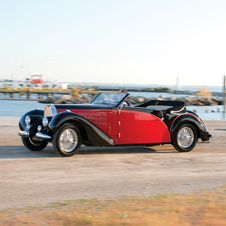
(163, 105)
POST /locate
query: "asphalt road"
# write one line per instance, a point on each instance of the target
(40, 178)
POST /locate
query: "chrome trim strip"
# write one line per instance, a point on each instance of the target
(120, 108)
(23, 133)
(174, 112)
(42, 136)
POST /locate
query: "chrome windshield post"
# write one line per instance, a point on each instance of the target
(120, 108)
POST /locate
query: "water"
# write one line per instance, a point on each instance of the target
(16, 108)
(126, 86)
(209, 112)
(157, 94)
(17, 96)
(143, 94)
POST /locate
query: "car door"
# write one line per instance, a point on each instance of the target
(137, 126)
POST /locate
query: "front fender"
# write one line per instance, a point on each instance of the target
(95, 135)
(188, 118)
(36, 115)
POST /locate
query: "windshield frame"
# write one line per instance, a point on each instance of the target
(122, 96)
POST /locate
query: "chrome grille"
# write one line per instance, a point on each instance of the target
(50, 110)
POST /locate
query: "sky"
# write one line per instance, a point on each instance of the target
(118, 41)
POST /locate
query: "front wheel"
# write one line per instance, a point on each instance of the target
(185, 138)
(34, 145)
(67, 140)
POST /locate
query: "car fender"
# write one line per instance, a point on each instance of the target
(36, 115)
(95, 135)
(203, 133)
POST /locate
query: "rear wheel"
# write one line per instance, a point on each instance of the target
(34, 145)
(185, 138)
(67, 140)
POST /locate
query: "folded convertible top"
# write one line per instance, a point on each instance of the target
(163, 105)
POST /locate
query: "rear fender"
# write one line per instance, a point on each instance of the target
(95, 135)
(199, 125)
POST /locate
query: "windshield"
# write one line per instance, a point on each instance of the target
(109, 98)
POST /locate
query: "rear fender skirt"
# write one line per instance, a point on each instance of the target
(35, 115)
(95, 135)
(189, 118)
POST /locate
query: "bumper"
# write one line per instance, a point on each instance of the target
(42, 136)
(38, 135)
(24, 134)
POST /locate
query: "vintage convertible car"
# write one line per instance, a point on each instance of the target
(108, 121)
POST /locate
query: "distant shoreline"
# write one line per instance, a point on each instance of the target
(19, 99)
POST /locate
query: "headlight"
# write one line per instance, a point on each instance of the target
(45, 121)
(27, 120)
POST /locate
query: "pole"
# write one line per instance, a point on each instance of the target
(224, 94)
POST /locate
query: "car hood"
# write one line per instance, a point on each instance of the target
(83, 106)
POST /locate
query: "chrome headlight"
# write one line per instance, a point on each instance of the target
(27, 120)
(45, 121)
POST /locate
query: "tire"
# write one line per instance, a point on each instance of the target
(67, 140)
(34, 145)
(185, 138)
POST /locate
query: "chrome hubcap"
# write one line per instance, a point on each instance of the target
(185, 137)
(68, 140)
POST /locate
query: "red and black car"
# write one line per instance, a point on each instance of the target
(109, 121)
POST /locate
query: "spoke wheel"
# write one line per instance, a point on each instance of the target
(34, 145)
(67, 140)
(185, 138)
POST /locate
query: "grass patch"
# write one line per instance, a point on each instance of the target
(200, 208)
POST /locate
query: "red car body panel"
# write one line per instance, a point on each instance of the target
(127, 127)
(102, 118)
(140, 127)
